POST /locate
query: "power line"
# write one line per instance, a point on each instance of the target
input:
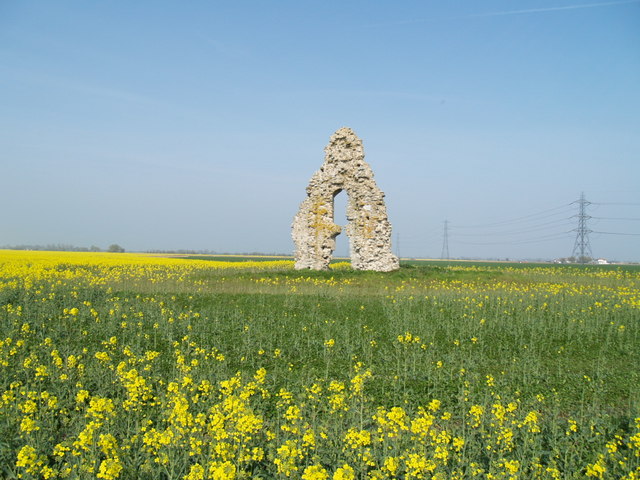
(534, 228)
(617, 218)
(543, 238)
(615, 233)
(552, 224)
(518, 219)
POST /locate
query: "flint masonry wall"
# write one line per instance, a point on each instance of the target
(369, 231)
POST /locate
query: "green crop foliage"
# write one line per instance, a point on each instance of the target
(130, 366)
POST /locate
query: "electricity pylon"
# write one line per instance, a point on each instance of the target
(582, 247)
(445, 242)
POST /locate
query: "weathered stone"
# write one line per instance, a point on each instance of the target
(369, 231)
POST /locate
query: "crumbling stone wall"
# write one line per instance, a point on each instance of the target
(369, 231)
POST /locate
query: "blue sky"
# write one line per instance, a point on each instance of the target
(197, 125)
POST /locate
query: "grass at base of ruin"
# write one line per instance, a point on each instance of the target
(125, 366)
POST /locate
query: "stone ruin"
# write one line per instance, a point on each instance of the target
(314, 231)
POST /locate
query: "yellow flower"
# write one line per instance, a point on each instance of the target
(422, 423)
(108, 444)
(29, 407)
(293, 413)
(355, 438)
(103, 356)
(357, 382)
(28, 459)
(28, 425)
(344, 473)
(47, 472)
(315, 472)
(391, 422)
(476, 412)
(391, 465)
(336, 386)
(309, 438)
(531, 420)
(491, 382)
(597, 470)
(110, 468)
(196, 472)
(60, 449)
(288, 455)
(417, 465)
(26, 456)
(257, 454)
(511, 466)
(222, 471)
(499, 412)
(81, 396)
(260, 375)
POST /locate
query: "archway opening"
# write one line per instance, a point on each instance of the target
(340, 200)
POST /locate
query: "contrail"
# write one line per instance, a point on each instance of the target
(552, 9)
(513, 12)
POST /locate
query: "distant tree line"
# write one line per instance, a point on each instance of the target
(213, 252)
(61, 247)
(115, 248)
(184, 252)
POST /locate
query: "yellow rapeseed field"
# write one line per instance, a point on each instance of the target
(119, 366)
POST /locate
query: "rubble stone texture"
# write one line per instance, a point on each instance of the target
(369, 231)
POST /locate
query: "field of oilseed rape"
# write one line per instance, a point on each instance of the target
(118, 366)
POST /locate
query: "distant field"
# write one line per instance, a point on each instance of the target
(140, 366)
(235, 258)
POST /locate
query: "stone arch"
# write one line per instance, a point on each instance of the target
(314, 230)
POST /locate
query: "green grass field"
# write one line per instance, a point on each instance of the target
(438, 370)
